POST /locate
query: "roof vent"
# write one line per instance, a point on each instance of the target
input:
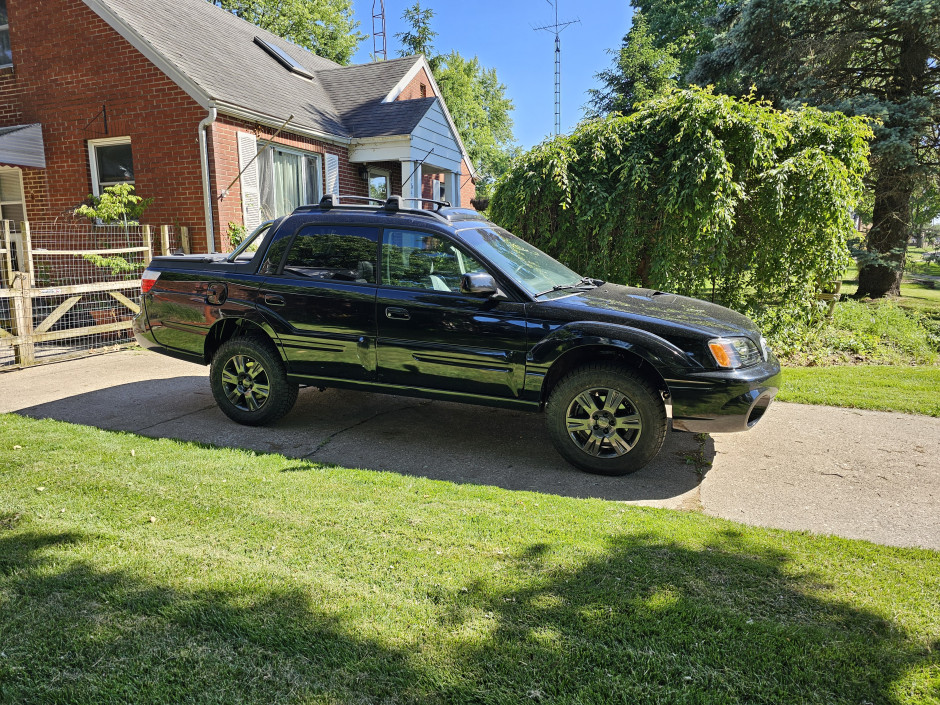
(283, 58)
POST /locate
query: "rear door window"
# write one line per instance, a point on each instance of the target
(339, 253)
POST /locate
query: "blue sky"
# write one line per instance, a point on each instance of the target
(501, 35)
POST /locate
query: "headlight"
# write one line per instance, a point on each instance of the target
(732, 353)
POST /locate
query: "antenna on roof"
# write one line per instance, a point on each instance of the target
(557, 28)
(379, 52)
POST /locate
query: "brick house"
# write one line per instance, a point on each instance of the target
(215, 119)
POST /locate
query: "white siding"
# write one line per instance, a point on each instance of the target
(433, 132)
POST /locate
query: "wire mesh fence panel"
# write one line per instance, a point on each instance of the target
(78, 290)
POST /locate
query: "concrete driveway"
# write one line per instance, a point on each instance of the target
(857, 474)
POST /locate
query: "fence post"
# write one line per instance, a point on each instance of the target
(165, 240)
(184, 239)
(148, 242)
(24, 352)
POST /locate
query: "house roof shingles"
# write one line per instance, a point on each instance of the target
(216, 51)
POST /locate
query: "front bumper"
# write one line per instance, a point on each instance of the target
(723, 401)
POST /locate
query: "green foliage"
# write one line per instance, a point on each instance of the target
(641, 71)
(236, 234)
(873, 332)
(325, 27)
(117, 265)
(683, 27)
(116, 204)
(473, 94)
(872, 58)
(700, 194)
(419, 38)
(477, 101)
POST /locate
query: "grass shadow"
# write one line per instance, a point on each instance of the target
(644, 621)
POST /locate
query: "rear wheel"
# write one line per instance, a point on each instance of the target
(605, 419)
(249, 382)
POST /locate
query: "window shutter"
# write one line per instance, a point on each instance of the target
(251, 191)
(332, 174)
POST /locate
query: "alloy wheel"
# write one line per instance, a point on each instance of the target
(245, 383)
(603, 422)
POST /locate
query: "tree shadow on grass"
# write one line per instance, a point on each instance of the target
(646, 621)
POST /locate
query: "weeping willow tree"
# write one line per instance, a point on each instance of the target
(700, 194)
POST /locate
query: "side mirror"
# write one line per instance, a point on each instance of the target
(478, 284)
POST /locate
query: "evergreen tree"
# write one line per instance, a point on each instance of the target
(641, 70)
(878, 58)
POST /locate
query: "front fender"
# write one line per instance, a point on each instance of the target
(659, 352)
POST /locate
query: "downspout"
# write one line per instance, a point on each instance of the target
(206, 190)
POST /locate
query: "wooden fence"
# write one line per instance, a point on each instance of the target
(68, 290)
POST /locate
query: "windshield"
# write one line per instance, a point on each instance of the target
(525, 264)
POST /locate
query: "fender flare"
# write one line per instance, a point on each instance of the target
(659, 352)
(253, 318)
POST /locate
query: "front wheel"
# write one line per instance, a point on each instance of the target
(249, 382)
(605, 419)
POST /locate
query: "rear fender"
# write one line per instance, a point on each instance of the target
(247, 323)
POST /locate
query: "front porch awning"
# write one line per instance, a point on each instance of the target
(405, 130)
(21, 145)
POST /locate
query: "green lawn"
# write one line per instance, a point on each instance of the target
(139, 570)
(879, 387)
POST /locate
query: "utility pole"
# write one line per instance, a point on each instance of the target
(557, 28)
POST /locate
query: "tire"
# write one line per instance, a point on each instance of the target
(249, 382)
(595, 438)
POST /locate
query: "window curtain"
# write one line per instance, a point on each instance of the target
(266, 184)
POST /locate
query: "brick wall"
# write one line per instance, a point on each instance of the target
(223, 156)
(67, 64)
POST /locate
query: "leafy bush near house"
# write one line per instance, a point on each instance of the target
(236, 234)
(700, 194)
(116, 205)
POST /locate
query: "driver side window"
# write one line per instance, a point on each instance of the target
(416, 260)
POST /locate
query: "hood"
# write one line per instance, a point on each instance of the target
(667, 315)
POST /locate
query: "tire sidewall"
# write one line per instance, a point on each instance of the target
(647, 403)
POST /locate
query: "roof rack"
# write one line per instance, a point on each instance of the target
(393, 204)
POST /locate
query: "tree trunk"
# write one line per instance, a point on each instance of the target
(891, 226)
(888, 237)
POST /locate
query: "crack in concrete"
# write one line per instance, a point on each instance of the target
(175, 418)
(326, 441)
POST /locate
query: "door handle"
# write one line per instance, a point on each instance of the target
(398, 314)
(273, 300)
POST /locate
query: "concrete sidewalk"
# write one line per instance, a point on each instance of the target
(857, 474)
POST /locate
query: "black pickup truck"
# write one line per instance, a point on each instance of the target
(444, 304)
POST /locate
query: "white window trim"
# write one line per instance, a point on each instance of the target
(93, 159)
(21, 202)
(380, 172)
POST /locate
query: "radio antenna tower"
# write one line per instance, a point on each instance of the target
(557, 28)
(379, 49)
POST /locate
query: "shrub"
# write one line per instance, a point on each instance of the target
(700, 194)
(872, 332)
